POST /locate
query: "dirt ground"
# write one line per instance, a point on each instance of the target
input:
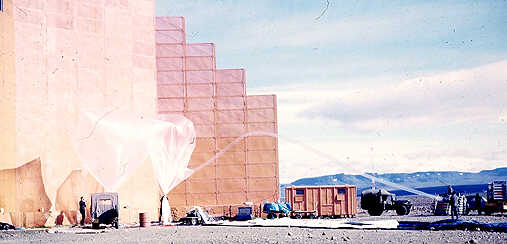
(223, 234)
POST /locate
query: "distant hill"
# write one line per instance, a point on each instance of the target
(415, 180)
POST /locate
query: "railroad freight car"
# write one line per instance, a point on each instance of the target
(325, 201)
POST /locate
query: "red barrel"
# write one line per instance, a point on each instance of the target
(143, 219)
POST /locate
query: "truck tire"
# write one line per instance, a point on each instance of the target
(193, 221)
(375, 212)
(401, 210)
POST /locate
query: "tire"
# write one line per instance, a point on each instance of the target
(375, 212)
(298, 216)
(95, 225)
(313, 216)
(401, 210)
(193, 221)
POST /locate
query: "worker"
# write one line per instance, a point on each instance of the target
(478, 203)
(82, 210)
(453, 202)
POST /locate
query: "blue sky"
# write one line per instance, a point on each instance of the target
(385, 86)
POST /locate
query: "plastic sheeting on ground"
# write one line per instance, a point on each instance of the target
(315, 223)
(274, 207)
(113, 144)
(449, 224)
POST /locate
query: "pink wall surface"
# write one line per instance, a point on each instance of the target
(72, 56)
(217, 103)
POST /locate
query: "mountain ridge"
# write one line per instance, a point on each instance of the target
(414, 180)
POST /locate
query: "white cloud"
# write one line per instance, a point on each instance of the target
(478, 94)
(296, 161)
(472, 95)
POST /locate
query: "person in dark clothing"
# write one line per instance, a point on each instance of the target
(453, 202)
(478, 203)
(82, 210)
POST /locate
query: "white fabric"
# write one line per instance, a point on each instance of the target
(166, 211)
(113, 144)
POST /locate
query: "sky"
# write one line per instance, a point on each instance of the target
(368, 86)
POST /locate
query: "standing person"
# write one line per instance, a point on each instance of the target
(478, 203)
(453, 202)
(82, 210)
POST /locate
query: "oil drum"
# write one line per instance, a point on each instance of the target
(143, 219)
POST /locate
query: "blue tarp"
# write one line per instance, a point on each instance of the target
(450, 224)
(274, 207)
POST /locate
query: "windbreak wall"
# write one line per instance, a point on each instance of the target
(217, 103)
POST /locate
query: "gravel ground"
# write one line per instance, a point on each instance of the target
(222, 234)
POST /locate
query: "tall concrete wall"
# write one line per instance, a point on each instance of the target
(60, 57)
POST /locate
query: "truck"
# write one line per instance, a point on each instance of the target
(104, 209)
(376, 201)
(496, 197)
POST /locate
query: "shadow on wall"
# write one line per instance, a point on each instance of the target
(75, 186)
(23, 196)
(26, 203)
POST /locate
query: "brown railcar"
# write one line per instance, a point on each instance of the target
(327, 201)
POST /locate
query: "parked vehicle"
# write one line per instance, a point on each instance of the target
(104, 209)
(244, 213)
(496, 197)
(376, 201)
(322, 201)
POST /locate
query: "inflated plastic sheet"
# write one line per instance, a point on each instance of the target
(113, 144)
